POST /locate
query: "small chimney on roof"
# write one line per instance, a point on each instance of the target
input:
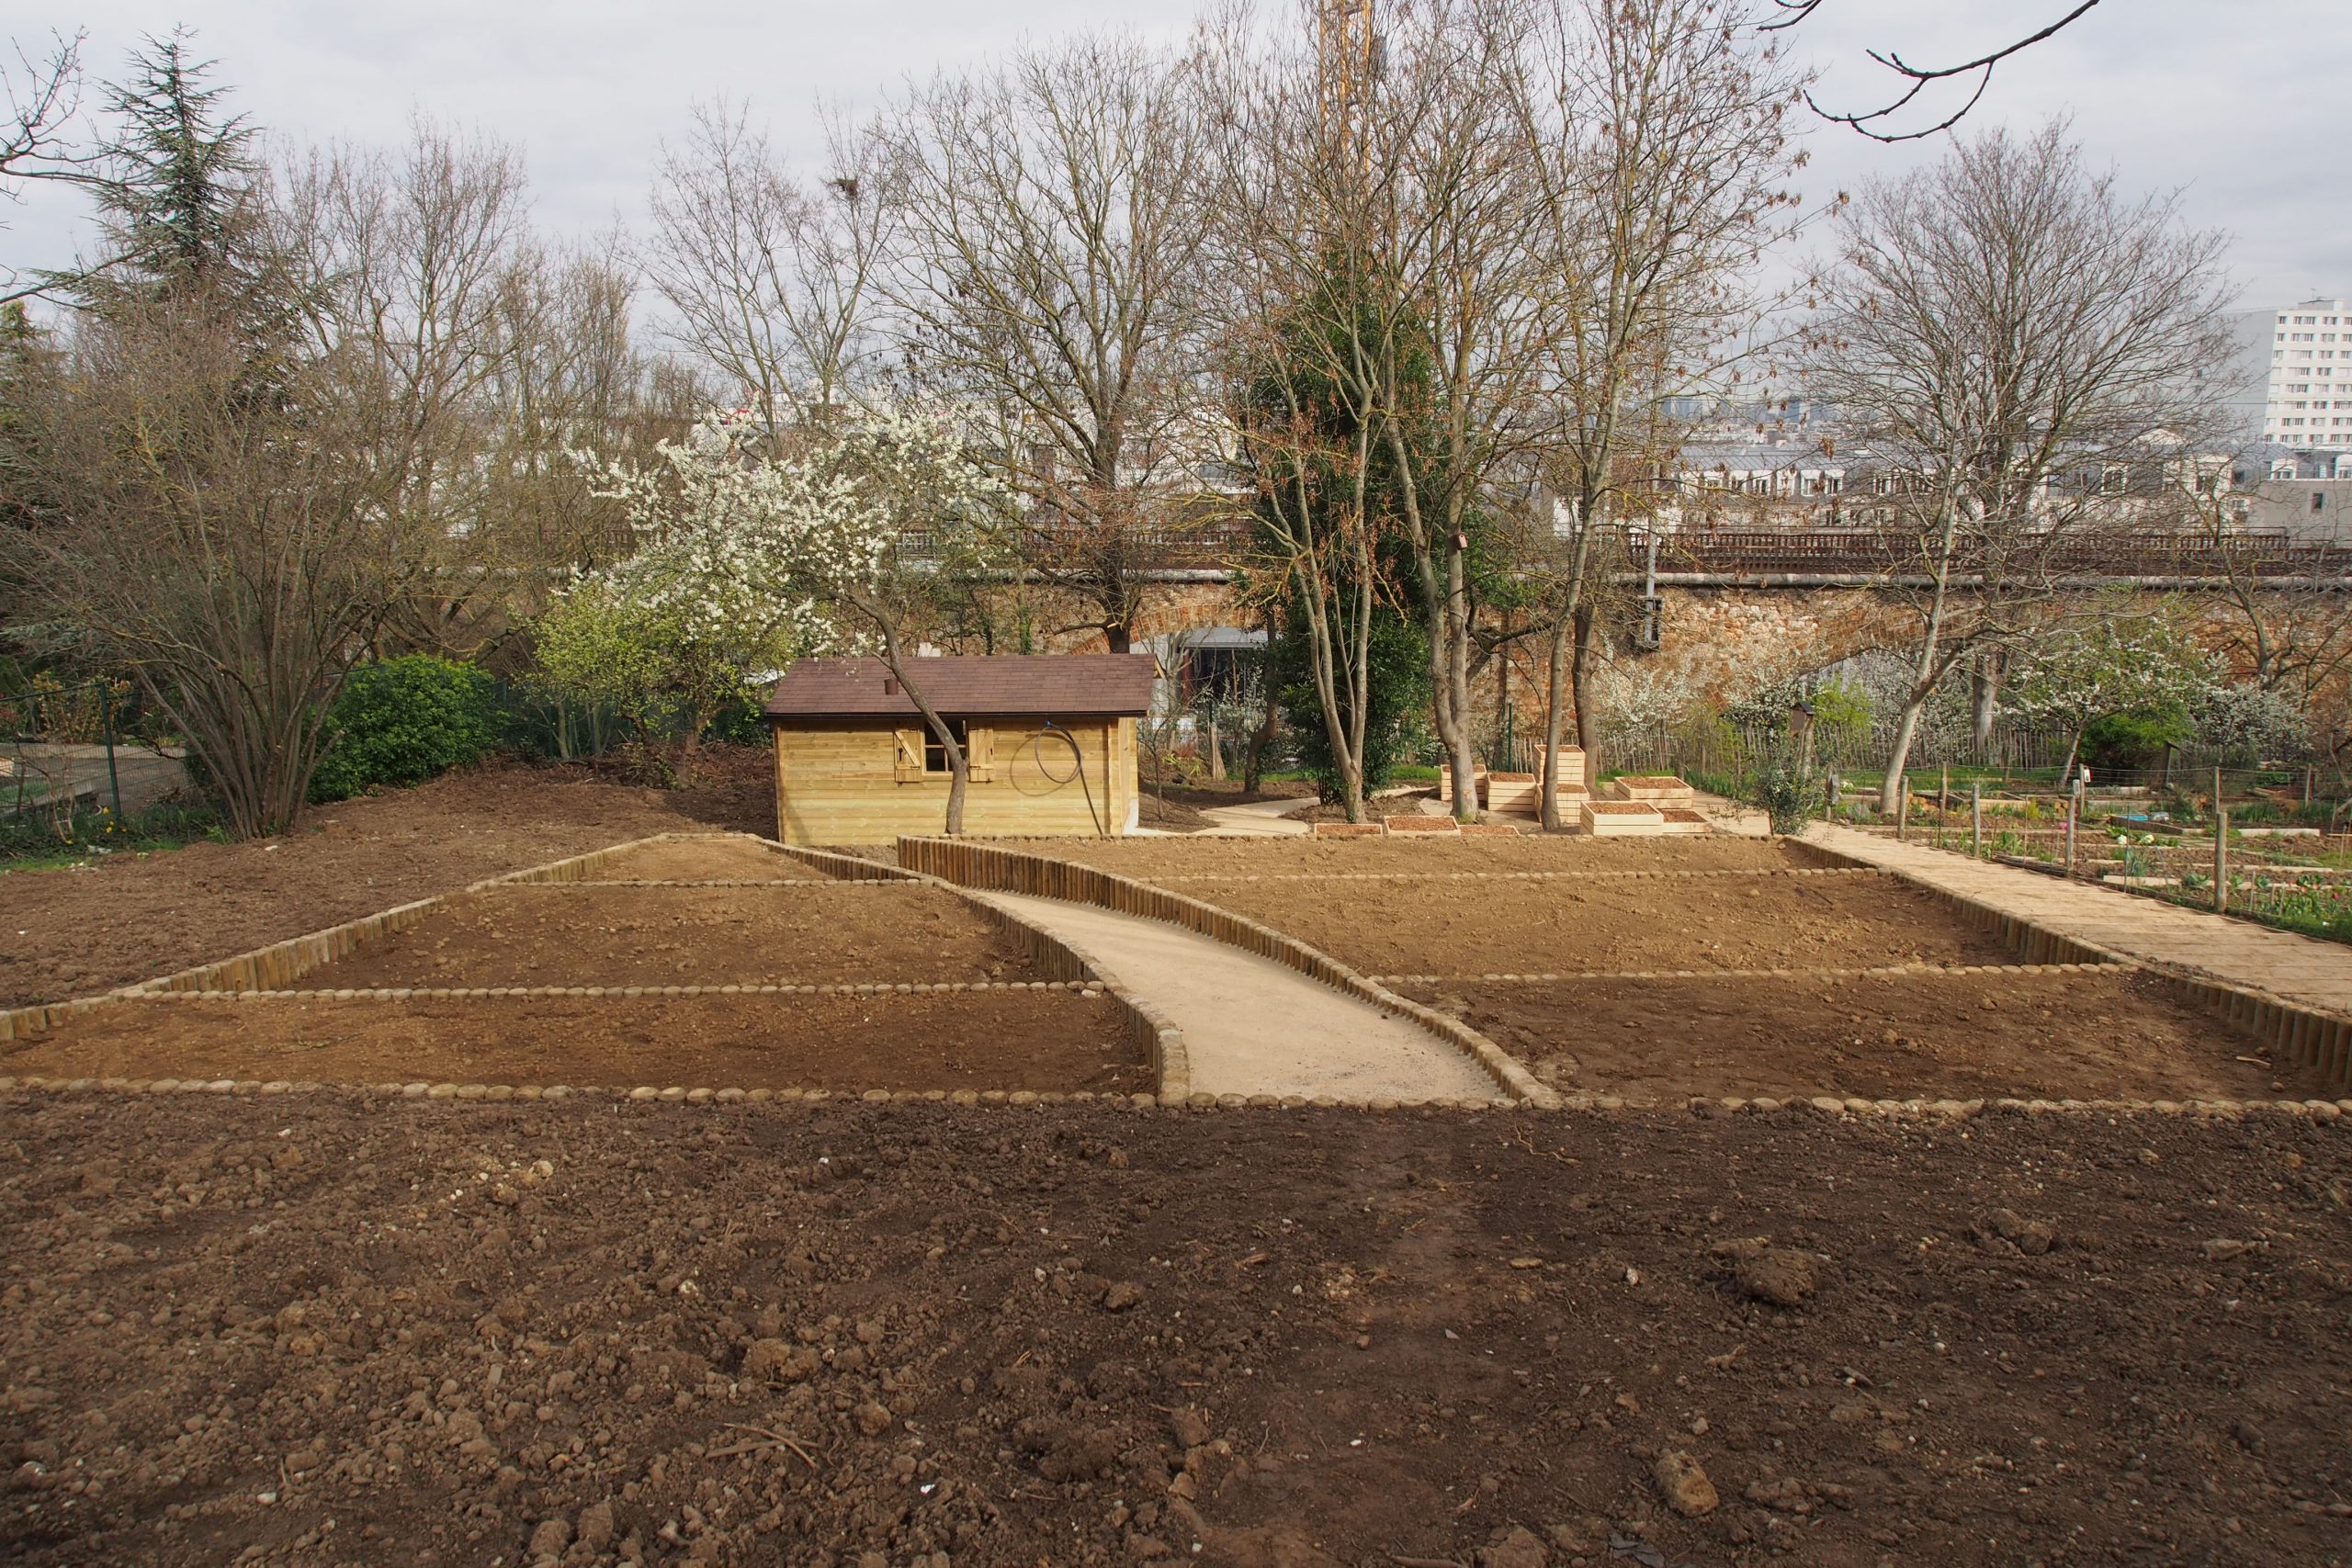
(889, 685)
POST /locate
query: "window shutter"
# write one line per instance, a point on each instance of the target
(979, 753)
(909, 765)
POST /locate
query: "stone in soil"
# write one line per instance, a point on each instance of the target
(1683, 1483)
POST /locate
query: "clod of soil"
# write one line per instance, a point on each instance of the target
(585, 935)
(342, 1330)
(1683, 1483)
(954, 1040)
(2054, 1035)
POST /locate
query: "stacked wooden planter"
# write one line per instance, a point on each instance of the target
(1646, 806)
(1521, 795)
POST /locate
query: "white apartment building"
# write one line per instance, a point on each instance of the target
(2294, 374)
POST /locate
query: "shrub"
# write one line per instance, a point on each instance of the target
(402, 721)
(2132, 741)
(1789, 795)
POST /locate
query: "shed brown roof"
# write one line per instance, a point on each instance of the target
(1046, 684)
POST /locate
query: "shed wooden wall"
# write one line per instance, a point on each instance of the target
(838, 785)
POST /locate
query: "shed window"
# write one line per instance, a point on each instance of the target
(923, 755)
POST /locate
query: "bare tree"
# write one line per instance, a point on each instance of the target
(211, 533)
(2015, 333)
(1050, 275)
(1302, 319)
(772, 283)
(1656, 140)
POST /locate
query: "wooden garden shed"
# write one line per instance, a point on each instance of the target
(1050, 741)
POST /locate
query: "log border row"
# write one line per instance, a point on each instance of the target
(2320, 1112)
(1759, 874)
(1883, 971)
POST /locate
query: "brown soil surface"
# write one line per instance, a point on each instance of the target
(328, 1330)
(705, 860)
(584, 934)
(1516, 926)
(1923, 1036)
(123, 919)
(1161, 859)
(977, 1039)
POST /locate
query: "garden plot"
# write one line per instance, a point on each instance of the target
(702, 961)
(593, 934)
(2022, 1032)
(1060, 1038)
(1170, 861)
(1405, 925)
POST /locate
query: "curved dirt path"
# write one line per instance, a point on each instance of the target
(1253, 1026)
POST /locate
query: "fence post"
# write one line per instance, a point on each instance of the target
(2073, 814)
(2220, 854)
(1977, 820)
(107, 727)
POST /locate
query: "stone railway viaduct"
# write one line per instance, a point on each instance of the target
(1734, 605)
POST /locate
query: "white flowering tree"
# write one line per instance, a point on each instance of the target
(2116, 662)
(842, 542)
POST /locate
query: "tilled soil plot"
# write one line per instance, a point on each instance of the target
(584, 934)
(326, 1329)
(1519, 926)
(125, 918)
(705, 860)
(1925, 1034)
(1167, 860)
(957, 1040)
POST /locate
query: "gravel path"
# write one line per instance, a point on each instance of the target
(1252, 1026)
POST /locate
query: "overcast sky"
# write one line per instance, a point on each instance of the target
(2241, 103)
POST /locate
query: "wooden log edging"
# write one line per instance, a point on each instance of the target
(1878, 971)
(844, 868)
(1002, 870)
(2223, 1111)
(883, 988)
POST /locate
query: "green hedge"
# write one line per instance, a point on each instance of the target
(402, 722)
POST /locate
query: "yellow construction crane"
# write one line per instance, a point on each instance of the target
(1349, 56)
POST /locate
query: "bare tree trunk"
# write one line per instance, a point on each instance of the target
(1985, 696)
(958, 768)
(1555, 725)
(1252, 770)
(1456, 645)
(1587, 722)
